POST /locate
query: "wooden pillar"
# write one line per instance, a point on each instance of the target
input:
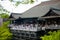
(1, 21)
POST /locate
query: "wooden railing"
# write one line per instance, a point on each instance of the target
(26, 28)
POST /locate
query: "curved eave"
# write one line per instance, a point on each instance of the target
(51, 17)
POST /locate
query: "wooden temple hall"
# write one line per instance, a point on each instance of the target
(29, 28)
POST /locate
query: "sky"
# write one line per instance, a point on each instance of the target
(21, 8)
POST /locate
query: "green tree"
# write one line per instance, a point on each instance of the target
(22, 2)
(53, 36)
(4, 15)
(2, 10)
(5, 33)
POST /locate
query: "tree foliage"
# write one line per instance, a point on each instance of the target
(2, 10)
(22, 2)
(4, 15)
(53, 36)
(4, 30)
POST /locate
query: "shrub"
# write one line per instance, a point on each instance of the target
(53, 36)
(4, 32)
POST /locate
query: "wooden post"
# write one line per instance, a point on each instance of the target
(1, 21)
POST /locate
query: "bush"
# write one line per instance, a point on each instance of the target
(4, 32)
(53, 36)
(4, 15)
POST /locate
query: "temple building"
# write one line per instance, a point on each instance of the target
(30, 24)
(29, 28)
